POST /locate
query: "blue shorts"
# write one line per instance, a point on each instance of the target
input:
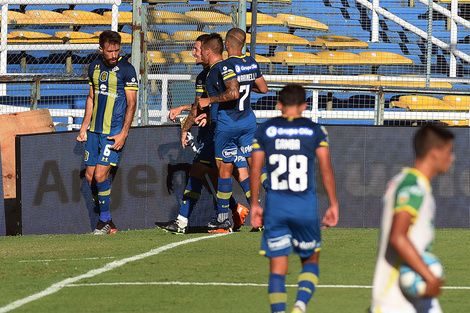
(97, 150)
(230, 144)
(286, 229)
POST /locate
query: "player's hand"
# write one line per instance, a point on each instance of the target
(173, 114)
(331, 216)
(201, 120)
(256, 215)
(119, 141)
(433, 287)
(203, 102)
(82, 136)
(184, 142)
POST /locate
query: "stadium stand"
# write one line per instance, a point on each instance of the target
(295, 22)
(83, 18)
(44, 17)
(77, 37)
(165, 17)
(209, 17)
(332, 42)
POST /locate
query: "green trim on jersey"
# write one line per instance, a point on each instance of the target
(409, 195)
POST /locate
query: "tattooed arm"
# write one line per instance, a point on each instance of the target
(231, 93)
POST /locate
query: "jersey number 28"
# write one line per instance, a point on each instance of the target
(296, 167)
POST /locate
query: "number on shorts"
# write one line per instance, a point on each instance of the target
(107, 151)
(296, 167)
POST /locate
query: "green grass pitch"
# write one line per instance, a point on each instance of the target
(31, 264)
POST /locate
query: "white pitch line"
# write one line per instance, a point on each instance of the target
(55, 260)
(108, 267)
(183, 283)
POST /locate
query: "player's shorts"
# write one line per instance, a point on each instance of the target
(230, 144)
(286, 229)
(97, 150)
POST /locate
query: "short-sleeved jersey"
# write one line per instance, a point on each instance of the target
(110, 104)
(289, 145)
(236, 114)
(202, 92)
(408, 191)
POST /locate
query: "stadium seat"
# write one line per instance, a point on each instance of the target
(259, 58)
(259, 1)
(374, 82)
(209, 17)
(126, 39)
(87, 18)
(264, 20)
(18, 18)
(291, 58)
(340, 58)
(44, 17)
(77, 37)
(385, 58)
(277, 39)
(158, 57)
(330, 42)
(186, 57)
(158, 36)
(295, 21)
(459, 103)
(420, 103)
(455, 122)
(28, 37)
(165, 17)
(186, 35)
(123, 17)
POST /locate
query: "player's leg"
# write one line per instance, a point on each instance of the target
(307, 282)
(239, 211)
(277, 283)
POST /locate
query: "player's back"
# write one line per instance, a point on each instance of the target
(290, 145)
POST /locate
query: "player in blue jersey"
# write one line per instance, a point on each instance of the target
(229, 85)
(109, 112)
(204, 160)
(289, 145)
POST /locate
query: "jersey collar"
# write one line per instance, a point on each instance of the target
(216, 63)
(418, 174)
(238, 56)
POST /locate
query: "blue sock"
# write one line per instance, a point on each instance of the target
(224, 192)
(264, 177)
(94, 193)
(191, 196)
(307, 281)
(104, 192)
(246, 188)
(277, 293)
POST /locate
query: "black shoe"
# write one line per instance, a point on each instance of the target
(104, 228)
(257, 229)
(219, 227)
(172, 227)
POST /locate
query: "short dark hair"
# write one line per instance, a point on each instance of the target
(110, 36)
(292, 95)
(430, 136)
(215, 43)
(202, 37)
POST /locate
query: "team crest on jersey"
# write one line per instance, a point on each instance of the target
(104, 76)
(403, 197)
(87, 155)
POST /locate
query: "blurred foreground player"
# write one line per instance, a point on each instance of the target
(408, 226)
(109, 112)
(289, 144)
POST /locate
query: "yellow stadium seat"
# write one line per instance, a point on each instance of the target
(291, 58)
(259, 1)
(166, 1)
(186, 57)
(295, 21)
(385, 58)
(165, 17)
(385, 83)
(420, 103)
(18, 18)
(259, 58)
(158, 57)
(264, 20)
(29, 37)
(77, 37)
(330, 42)
(278, 39)
(87, 18)
(210, 18)
(340, 58)
(458, 103)
(45, 17)
(455, 122)
(186, 35)
(158, 36)
(126, 39)
(123, 17)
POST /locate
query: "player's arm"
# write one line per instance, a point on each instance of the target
(82, 135)
(120, 139)
(260, 85)
(399, 240)
(190, 120)
(231, 93)
(257, 158)
(174, 112)
(326, 169)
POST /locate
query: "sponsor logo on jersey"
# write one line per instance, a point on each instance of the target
(305, 245)
(279, 243)
(287, 144)
(246, 149)
(271, 131)
(228, 153)
(245, 68)
(240, 158)
(301, 131)
(115, 69)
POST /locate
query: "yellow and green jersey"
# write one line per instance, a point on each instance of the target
(110, 104)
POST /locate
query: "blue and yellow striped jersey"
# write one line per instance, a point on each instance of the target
(110, 104)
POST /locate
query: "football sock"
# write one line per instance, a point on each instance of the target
(224, 192)
(264, 177)
(191, 196)
(94, 194)
(246, 188)
(277, 293)
(307, 281)
(182, 221)
(104, 192)
(233, 204)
